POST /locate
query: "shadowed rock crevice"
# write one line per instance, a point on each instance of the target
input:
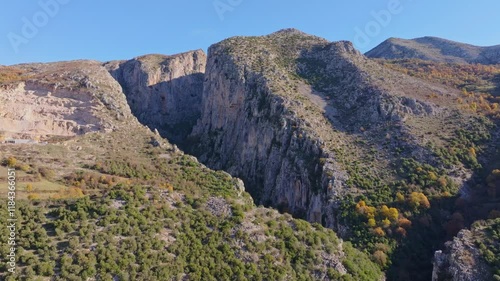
(163, 92)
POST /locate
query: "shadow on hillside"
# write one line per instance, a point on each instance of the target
(412, 260)
(496, 80)
(172, 107)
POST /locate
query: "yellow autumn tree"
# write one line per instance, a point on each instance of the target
(33, 196)
(361, 204)
(384, 211)
(11, 161)
(365, 210)
(393, 214)
(472, 152)
(433, 176)
(379, 232)
(386, 223)
(418, 199)
(400, 198)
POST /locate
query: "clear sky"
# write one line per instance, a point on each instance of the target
(54, 30)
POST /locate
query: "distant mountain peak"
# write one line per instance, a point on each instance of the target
(435, 49)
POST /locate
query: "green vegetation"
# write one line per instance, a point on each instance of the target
(489, 245)
(136, 233)
(157, 215)
(479, 83)
(467, 143)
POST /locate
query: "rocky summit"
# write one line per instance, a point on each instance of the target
(277, 157)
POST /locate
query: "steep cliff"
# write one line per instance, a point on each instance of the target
(301, 120)
(164, 92)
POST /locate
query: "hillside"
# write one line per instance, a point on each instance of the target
(310, 161)
(469, 255)
(60, 99)
(317, 130)
(116, 201)
(435, 49)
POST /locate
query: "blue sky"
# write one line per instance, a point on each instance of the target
(121, 29)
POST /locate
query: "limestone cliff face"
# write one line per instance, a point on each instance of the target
(282, 112)
(64, 99)
(461, 260)
(164, 92)
(249, 131)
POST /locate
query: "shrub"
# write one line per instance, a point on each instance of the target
(418, 199)
(10, 162)
(33, 196)
(47, 173)
(379, 232)
(380, 258)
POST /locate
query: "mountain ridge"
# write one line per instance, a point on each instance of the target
(314, 128)
(435, 49)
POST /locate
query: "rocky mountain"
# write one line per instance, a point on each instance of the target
(310, 125)
(435, 49)
(107, 198)
(385, 153)
(283, 111)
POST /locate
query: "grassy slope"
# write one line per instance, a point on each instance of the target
(154, 214)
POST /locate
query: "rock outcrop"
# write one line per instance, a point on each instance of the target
(461, 260)
(64, 99)
(164, 92)
(435, 49)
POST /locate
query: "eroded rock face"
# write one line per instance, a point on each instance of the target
(248, 131)
(63, 99)
(282, 112)
(461, 260)
(164, 92)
